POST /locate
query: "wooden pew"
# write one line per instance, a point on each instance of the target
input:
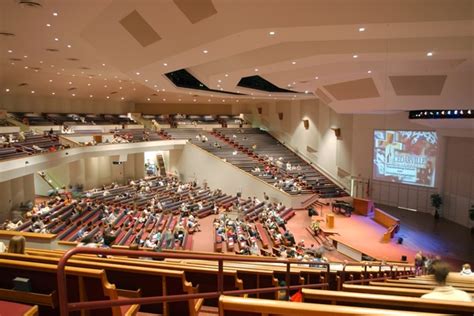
(388, 301)
(148, 281)
(418, 286)
(237, 306)
(11, 308)
(402, 291)
(83, 284)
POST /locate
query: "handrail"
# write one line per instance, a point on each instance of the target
(65, 307)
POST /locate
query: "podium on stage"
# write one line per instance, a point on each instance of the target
(329, 221)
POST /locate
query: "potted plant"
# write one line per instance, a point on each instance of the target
(471, 217)
(436, 201)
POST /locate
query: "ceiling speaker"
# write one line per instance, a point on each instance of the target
(259, 110)
(280, 116)
(306, 124)
(337, 132)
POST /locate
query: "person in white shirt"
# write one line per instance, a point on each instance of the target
(466, 270)
(443, 291)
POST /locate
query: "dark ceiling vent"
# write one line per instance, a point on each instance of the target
(184, 79)
(16, 59)
(30, 3)
(72, 89)
(113, 92)
(154, 95)
(23, 84)
(84, 68)
(259, 83)
(35, 68)
(7, 34)
(52, 49)
(73, 59)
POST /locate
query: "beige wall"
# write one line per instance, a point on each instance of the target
(351, 154)
(14, 192)
(93, 172)
(459, 179)
(26, 103)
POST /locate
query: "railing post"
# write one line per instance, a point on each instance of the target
(220, 277)
(288, 280)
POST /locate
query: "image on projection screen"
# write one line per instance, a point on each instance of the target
(405, 156)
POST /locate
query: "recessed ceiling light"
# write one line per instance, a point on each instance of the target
(165, 64)
(48, 25)
(70, 82)
(355, 56)
(52, 66)
(10, 51)
(103, 65)
(148, 99)
(12, 63)
(208, 100)
(56, 39)
(58, 73)
(256, 69)
(205, 51)
(25, 56)
(105, 86)
(164, 99)
(89, 84)
(120, 88)
(134, 89)
(223, 100)
(41, 61)
(179, 100)
(73, 94)
(156, 86)
(219, 80)
(7, 90)
(55, 13)
(107, 97)
(32, 91)
(218, 85)
(226, 75)
(271, 33)
(146, 80)
(100, 75)
(361, 29)
(122, 98)
(236, 100)
(90, 95)
(306, 91)
(294, 82)
(69, 46)
(53, 93)
(26, 67)
(429, 54)
(293, 62)
(194, 100)
(163, 90)
(369, 71)
(316, 77)
(137, 73)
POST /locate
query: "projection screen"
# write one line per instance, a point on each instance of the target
(405, 156)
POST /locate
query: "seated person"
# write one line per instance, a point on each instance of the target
(442, 291)
(466, 269)
(17, 245)
(315, 227)
(312, 212)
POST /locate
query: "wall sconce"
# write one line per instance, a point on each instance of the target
(280, 116)
(67, 154)
(337, 132)
(306, 124)
(259, 110)
(27, 162)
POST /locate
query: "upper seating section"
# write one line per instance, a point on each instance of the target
(16, 145)
(38, 119)
(274, 154)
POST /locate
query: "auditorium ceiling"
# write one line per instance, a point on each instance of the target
(358, 56)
